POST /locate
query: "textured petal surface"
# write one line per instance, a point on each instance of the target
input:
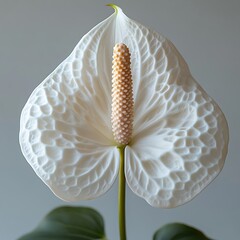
(65, 129)
(180, 135)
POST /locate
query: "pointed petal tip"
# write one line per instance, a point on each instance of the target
(115, 7)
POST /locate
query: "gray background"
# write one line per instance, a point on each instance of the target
(35, 36)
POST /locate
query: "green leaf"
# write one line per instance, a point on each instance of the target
(69, 223)
(178, 231)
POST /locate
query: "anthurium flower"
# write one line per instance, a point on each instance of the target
(179, 135)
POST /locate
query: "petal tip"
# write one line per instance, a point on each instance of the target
(115, 7)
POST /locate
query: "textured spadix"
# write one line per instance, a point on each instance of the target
(180, 136)
(122, 95)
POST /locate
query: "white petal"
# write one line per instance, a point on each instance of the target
(180, 135)
(65, 129)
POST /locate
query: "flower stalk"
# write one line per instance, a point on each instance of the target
(121, 196)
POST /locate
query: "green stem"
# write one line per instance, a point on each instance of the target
(121, 196)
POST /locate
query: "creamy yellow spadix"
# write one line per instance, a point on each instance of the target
(122, 95)
(178, 134)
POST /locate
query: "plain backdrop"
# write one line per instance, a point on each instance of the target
(36, 35)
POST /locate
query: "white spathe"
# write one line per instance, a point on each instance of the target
(180, 135)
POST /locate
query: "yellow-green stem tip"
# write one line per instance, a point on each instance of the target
(115, 7)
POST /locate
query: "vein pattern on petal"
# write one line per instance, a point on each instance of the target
(65, 129)
(180, 135)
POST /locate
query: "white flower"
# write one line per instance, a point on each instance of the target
(180, 136)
